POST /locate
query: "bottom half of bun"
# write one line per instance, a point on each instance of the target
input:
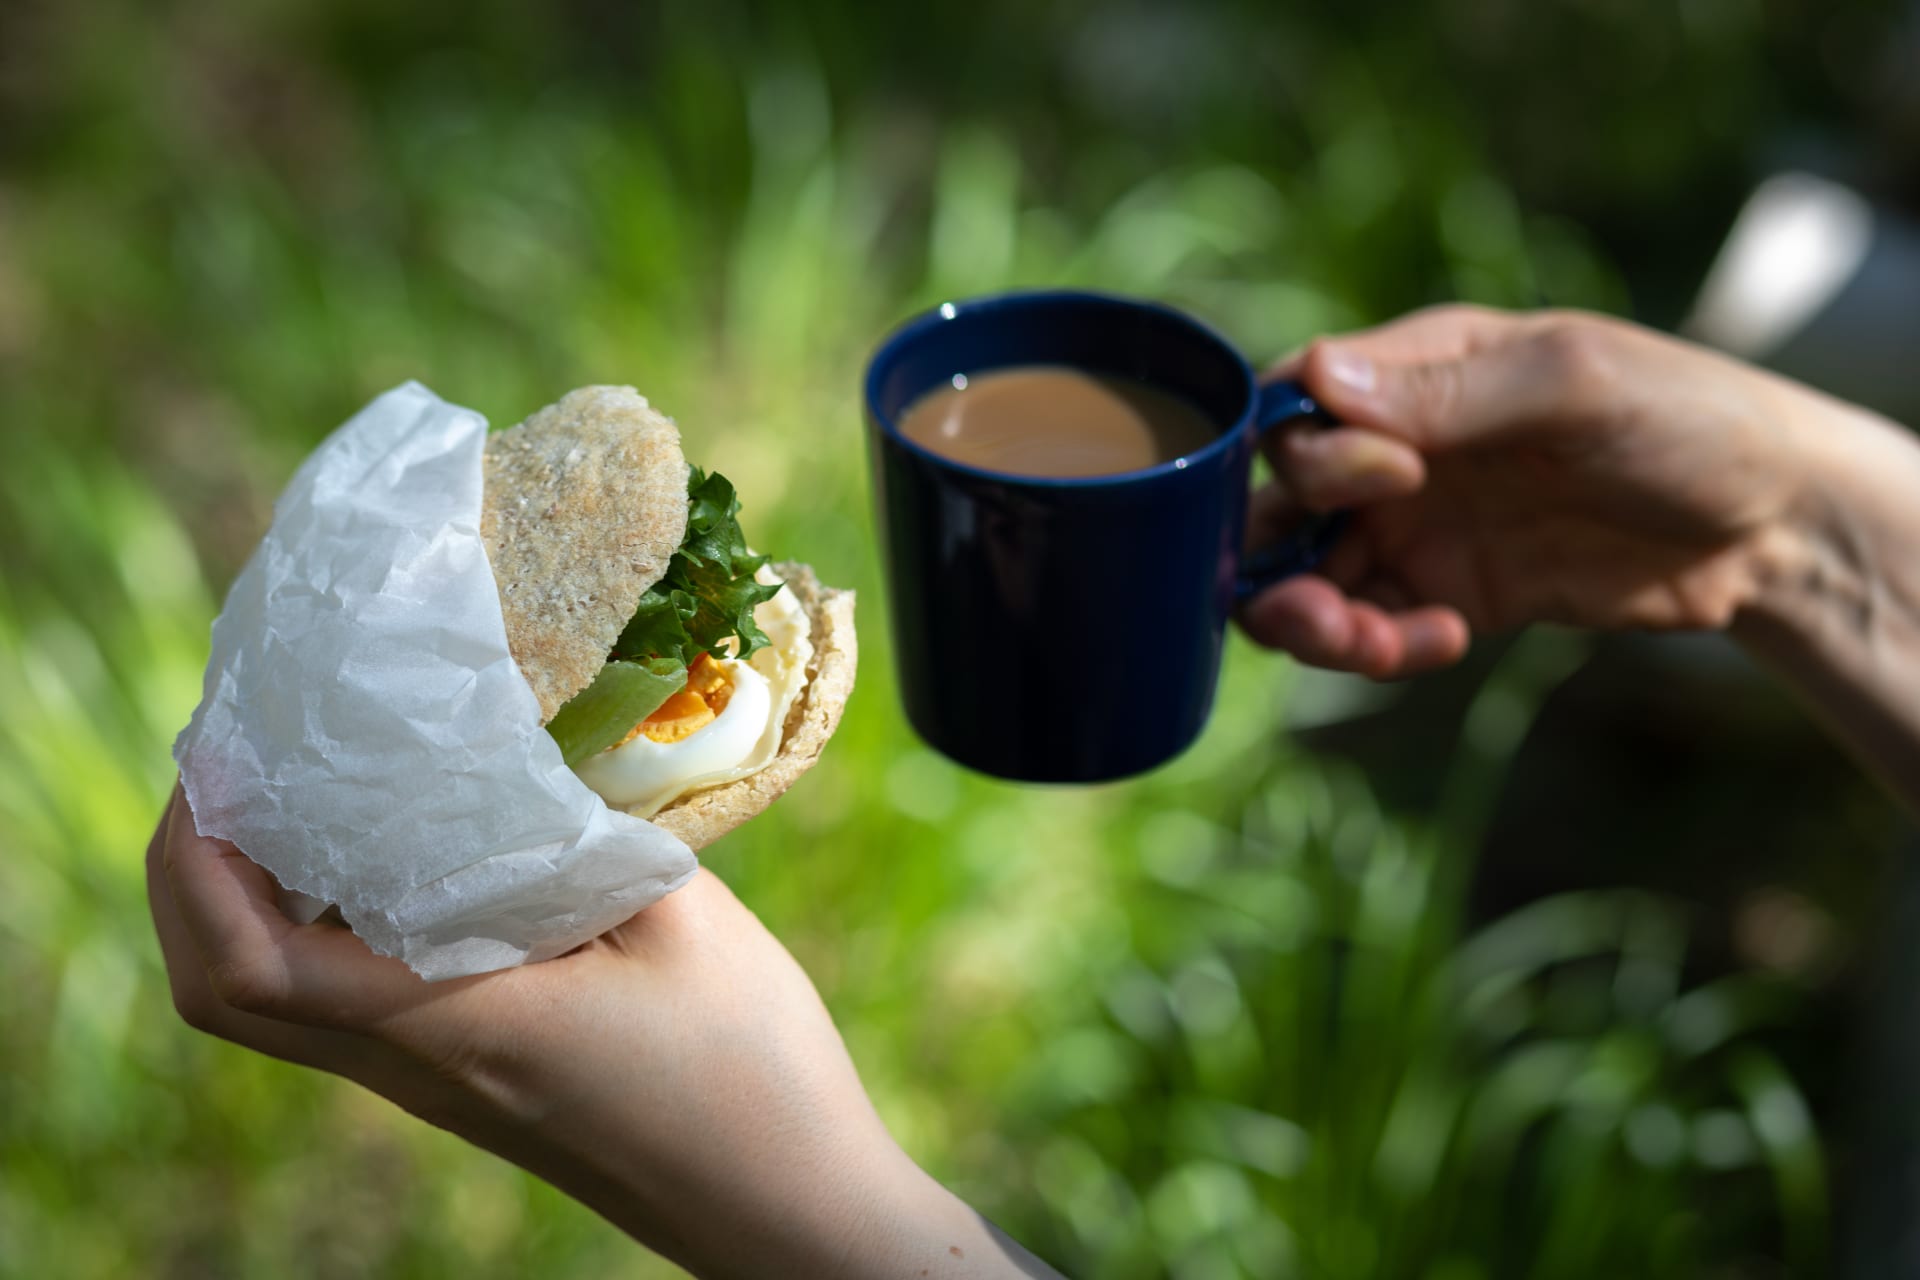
(701, 817)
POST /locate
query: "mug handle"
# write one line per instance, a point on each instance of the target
(1307, 544)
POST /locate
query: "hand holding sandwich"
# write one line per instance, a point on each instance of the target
(674, 1068)
(679, 1074)
(439, 622)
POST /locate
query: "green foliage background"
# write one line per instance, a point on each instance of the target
(1226, 1021)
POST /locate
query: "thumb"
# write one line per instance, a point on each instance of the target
(1463, 399)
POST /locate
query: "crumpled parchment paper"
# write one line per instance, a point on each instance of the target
(364, 734)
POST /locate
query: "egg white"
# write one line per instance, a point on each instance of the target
(643, 776)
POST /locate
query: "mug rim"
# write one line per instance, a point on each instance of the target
(926, 322)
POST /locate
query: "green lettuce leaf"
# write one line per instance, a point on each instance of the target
(621, 696)
(659, 626)
(708, 593)
(705, 599)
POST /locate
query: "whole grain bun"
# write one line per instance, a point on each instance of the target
(584, 505)
(702, 817)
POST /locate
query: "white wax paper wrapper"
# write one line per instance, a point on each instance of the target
(364, 734)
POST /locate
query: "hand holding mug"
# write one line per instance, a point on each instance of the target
(1505, 469)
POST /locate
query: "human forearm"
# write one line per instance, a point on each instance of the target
(864, 1214)
(1837, 606)
(753, 1152)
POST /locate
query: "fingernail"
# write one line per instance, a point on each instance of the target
(1351, 370)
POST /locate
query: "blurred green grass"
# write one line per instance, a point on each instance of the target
(1225, 1021)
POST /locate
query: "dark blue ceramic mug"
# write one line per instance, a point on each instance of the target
(1069, 630)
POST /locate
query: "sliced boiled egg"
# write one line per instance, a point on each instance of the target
(725, 725)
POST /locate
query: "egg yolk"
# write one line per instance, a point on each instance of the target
(693, 708)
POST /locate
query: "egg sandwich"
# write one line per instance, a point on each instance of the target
(686, 679)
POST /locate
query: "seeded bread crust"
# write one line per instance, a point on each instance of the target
(704, 816)
(583, 507)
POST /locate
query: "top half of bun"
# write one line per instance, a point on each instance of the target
(584, 505)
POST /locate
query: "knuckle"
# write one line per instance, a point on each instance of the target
(1434, 396)
(196, 1009)
(1460, 315)
(1472, 313)
(1578, 353)
(248, 984)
